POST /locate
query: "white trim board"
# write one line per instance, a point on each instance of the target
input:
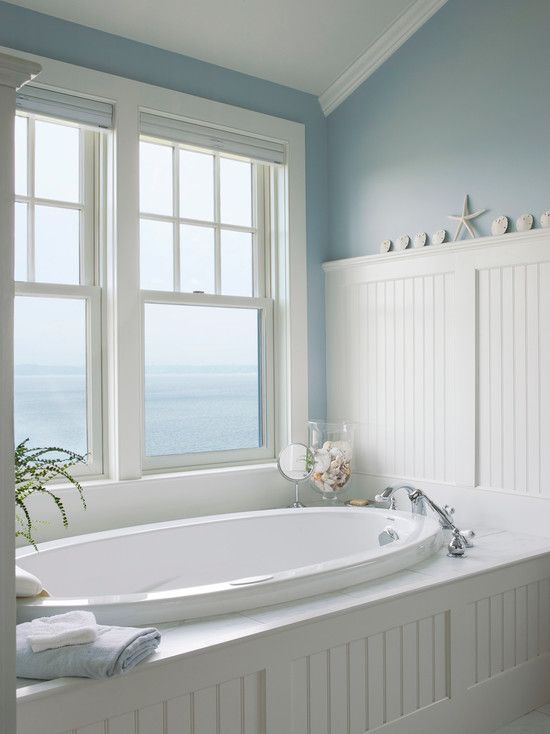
(447, 248)
(393, 37)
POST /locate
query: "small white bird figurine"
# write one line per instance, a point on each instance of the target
(464, 219)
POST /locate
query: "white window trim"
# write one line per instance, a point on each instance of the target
(122, 296)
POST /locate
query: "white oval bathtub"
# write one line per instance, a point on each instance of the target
(202, 566)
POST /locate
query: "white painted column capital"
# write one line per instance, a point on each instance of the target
(14, 71)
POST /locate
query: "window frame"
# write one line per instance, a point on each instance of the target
(120, 273)
(259, 300)
(88, 289)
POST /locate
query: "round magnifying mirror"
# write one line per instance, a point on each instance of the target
(295, 464)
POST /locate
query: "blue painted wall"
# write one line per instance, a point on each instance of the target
(462, 107)
(46, 36)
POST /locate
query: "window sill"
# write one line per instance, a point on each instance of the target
(152, 476)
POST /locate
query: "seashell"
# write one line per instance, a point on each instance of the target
(438, 238)
(545, 219)
(499, 225)
(524, 223)
(403, 242)
(420, 239)
(385, 246)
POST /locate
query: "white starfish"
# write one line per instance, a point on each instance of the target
(465, 218)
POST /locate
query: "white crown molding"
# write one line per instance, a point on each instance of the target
(479, 243)
(15, 71)
(398, 32)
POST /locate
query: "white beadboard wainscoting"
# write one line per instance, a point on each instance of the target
(454, 646)
(442, 356)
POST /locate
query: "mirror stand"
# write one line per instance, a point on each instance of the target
(294, 463)
(297, 502)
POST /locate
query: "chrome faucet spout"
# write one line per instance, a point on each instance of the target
(387, 497)
(420, 502)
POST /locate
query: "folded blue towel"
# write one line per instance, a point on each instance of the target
(115, 650)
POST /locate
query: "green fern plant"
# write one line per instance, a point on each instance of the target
(35, 468)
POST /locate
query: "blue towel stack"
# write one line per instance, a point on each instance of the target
(115, 650)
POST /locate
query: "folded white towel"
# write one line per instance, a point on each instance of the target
(26, 584)
(60, 630)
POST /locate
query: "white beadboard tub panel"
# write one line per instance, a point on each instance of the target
(441, 355)
(511, 627)
(232, 707)
(432, 661)
(372, 681)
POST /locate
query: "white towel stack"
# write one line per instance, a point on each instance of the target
(71, 628)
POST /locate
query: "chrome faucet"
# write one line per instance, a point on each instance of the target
(420, 503)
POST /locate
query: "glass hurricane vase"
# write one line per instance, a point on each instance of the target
(331, 447)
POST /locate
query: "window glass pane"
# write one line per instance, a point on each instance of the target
(156, 255)
(236, 192)
(196, 185)
(21, 155)
(57, 256)
(236, 263)
(50, 372)
(201, 379)
(20, 241)
(57, 161)
(197, 259)
(155, 179)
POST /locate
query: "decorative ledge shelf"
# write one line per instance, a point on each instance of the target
(511, 238)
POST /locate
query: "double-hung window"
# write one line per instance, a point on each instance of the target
(210, 344)
(58, 375)
(206, 295)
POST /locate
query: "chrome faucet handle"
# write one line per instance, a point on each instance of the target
(386, 498)
(468, 536)
(457, 546)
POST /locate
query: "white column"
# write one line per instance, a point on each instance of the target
(14, 73)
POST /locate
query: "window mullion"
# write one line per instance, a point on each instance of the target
(31, 269)
(176, 212)
(217, 231)
(127, 369)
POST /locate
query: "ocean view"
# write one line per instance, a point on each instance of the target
(186, 410)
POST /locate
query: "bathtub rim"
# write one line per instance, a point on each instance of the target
(228, 597)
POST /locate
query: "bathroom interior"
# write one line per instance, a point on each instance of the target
(274, 358)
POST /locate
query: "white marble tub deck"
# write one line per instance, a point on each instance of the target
(493, 549)
(536, 722)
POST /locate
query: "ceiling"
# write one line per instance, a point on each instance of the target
(305, 44)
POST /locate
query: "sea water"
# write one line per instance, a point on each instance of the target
(186, 411)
